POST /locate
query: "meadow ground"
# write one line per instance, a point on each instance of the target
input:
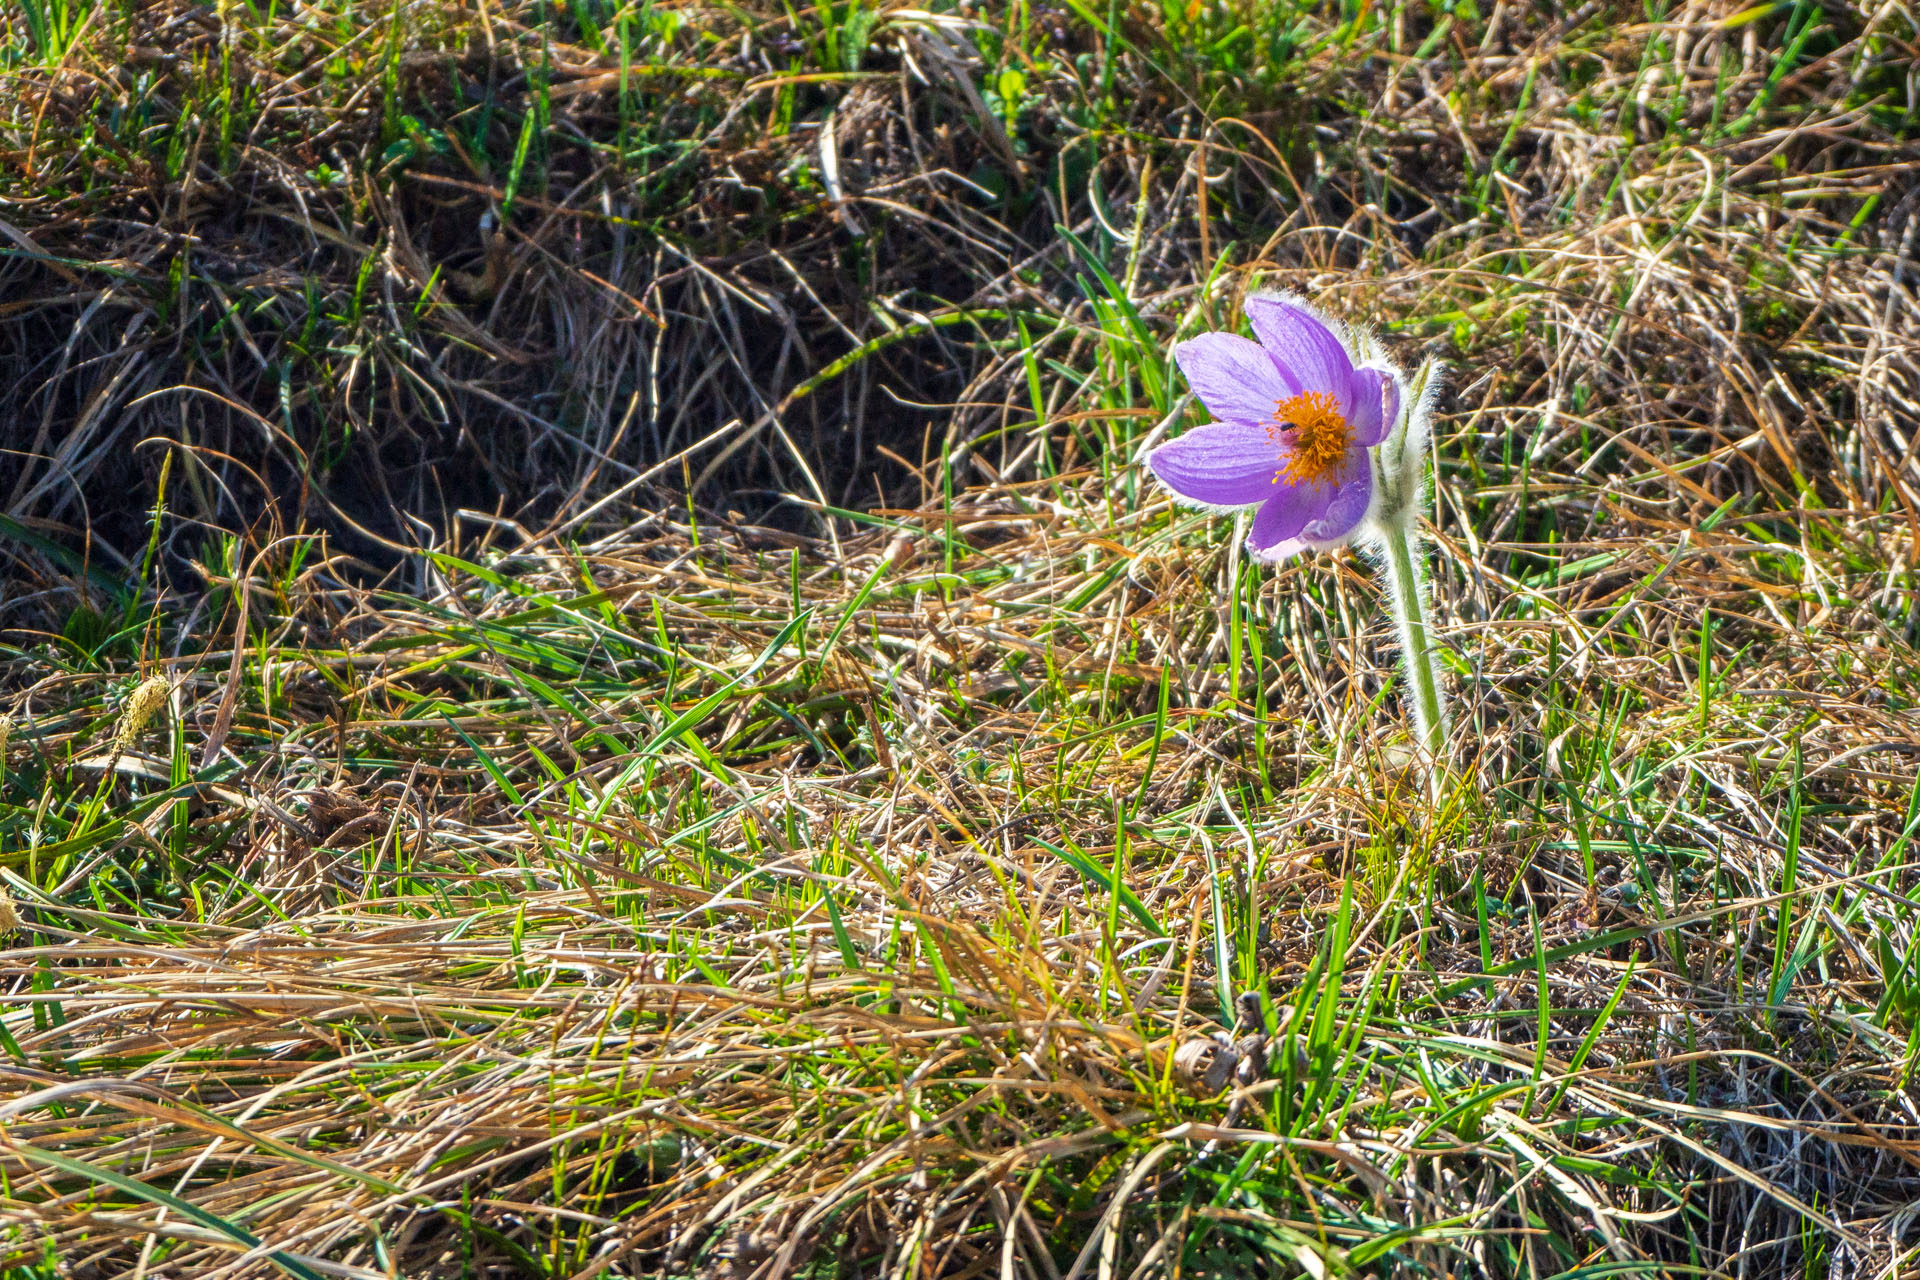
(596, 687)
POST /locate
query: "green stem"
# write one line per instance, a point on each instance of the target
(1416, 646)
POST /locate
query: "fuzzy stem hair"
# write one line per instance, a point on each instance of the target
(1401, 476)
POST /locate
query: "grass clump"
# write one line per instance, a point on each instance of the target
(642, 719)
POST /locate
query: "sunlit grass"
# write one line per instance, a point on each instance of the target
(840, 869)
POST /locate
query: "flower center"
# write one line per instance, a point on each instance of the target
(1313, 436)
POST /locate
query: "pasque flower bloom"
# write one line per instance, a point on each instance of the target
(1295, 414)
(1321, 432)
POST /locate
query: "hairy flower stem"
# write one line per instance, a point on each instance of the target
(1405, 591)
(1400, 469)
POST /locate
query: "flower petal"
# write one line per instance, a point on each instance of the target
(1285, 514)
(1372, 405)
(1345, 507)
(1309, 353)
(1223, 464)
(1235, 378)
(1280, 552)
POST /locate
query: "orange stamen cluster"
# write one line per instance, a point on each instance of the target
(1315, 441)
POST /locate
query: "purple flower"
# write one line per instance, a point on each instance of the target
(1295, 415)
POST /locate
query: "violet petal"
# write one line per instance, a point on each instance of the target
(1346, 506)
(1373, 405)
(1235, 378)
(1310, 354)
(1223, 464)
(1285, 514)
